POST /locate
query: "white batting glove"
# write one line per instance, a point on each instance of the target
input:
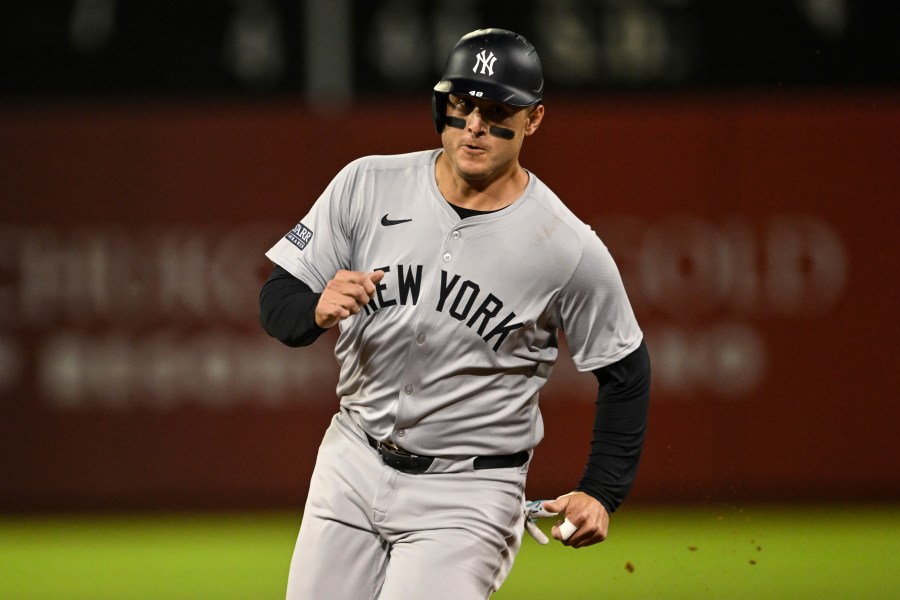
(534, 509)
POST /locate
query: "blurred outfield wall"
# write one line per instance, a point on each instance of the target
(756, 236)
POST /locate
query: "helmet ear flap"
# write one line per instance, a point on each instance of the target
(439, 110)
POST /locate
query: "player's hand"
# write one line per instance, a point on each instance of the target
(345, 295)
(589, 517)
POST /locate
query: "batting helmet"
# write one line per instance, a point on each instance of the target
(495, 64)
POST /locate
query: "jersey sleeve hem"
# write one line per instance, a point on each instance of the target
(598, 363)
(284, 261)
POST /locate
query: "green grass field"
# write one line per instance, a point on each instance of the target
(757, 552)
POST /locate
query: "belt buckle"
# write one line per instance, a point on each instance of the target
(394, 448)
(402, 460)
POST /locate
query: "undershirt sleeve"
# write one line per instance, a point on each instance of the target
(287, 309)
(620, 423)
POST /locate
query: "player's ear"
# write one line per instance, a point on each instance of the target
(534, 119)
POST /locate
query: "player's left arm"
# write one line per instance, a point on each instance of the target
(620, 423)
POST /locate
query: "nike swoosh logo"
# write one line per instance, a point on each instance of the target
(388, 222)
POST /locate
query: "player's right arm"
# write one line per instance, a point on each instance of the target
(295, 315)
(345, 295)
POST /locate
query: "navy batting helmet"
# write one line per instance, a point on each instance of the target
(495, 64)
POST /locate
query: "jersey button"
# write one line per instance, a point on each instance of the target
(456, 235)
(401, 432)
(420, 338)
(447, 257)
(409, 390)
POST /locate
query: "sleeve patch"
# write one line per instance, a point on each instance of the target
(299, 236)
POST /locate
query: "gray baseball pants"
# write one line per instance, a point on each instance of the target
(372, 532)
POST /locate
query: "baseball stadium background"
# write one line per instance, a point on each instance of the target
(740, 159)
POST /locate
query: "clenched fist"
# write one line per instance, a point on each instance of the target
(345, 295)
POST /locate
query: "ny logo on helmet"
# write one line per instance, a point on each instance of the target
(486, 62)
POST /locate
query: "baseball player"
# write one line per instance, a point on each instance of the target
(449, 274)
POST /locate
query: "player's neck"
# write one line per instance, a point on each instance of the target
(481, 195)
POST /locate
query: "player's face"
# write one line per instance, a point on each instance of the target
(479, 151)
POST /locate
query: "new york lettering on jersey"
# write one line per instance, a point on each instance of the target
(458, 298)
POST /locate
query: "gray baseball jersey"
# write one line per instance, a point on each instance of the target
(449, 356)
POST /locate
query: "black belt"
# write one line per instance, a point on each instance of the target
(407, 462)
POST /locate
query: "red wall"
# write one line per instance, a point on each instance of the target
(756, 237)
